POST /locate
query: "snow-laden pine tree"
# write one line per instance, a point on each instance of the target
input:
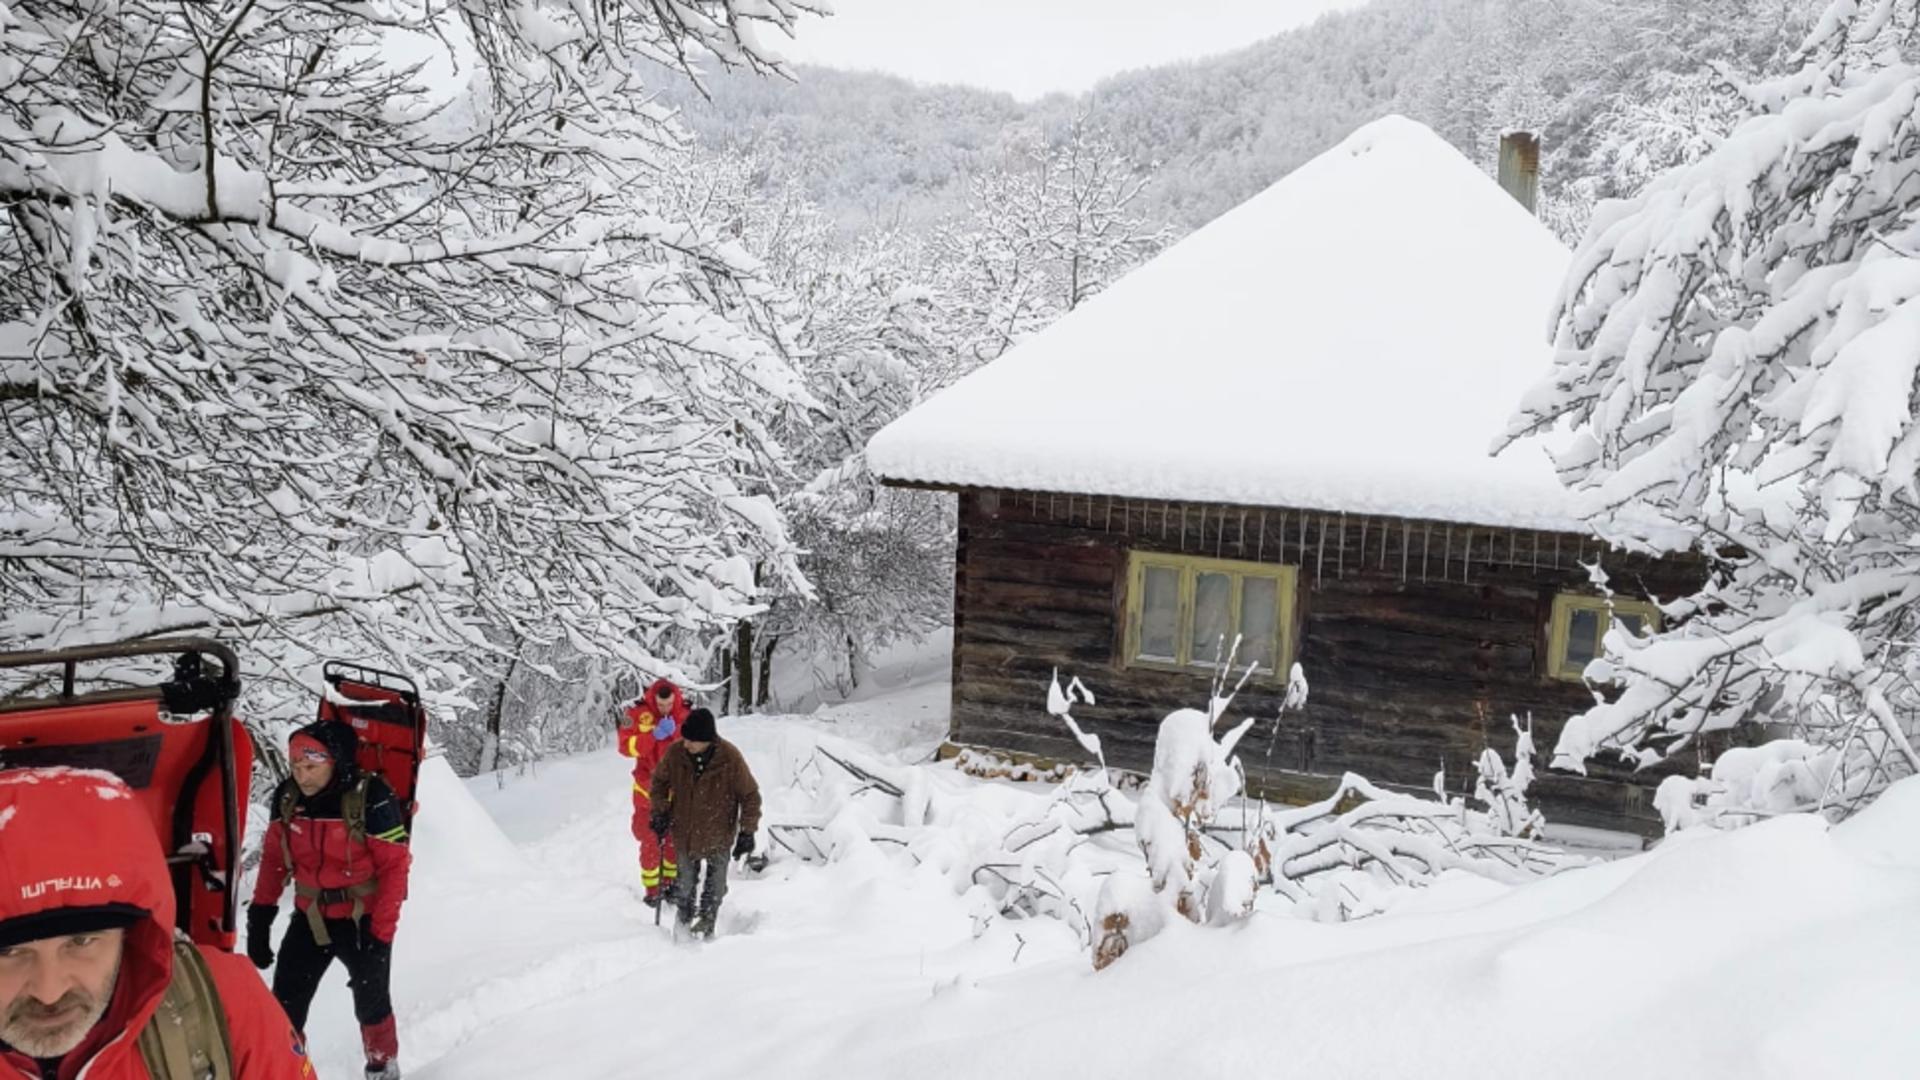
(1738, 353)
(306, 343)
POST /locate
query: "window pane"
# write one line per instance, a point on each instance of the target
(1583, 637)
(1259, 621)
(1212, 610)
(1635, 625)
(1160, 613)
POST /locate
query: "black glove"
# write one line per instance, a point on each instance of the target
(260, 934)
(658, 823)
(369, 942)
(743, 845)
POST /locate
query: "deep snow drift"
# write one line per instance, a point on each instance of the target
(1785, 950)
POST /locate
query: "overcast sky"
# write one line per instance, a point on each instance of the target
(1032, 47)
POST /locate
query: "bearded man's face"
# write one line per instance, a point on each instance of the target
(54, 990)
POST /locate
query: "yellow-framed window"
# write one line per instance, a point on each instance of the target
(1581, 622)
(1183, 612)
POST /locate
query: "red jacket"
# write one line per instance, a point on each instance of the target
(326, 857)
(77, 839)
(645, 739)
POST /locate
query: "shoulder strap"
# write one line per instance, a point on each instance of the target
(353, 809)
(187, 1037)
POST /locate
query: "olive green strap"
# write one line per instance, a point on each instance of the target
(187, 1036)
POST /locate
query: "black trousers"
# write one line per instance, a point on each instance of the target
(303, 962)
(701, 886)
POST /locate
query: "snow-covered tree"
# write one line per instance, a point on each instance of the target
(1042, 232)
(297, 344)
(1737, 360)
(855, 317)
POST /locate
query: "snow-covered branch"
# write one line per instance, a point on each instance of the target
(1737, 363)
(297, 341)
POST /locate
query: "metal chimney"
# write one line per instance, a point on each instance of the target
(1520, 166)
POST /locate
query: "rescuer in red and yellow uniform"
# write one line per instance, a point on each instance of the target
(653, 725)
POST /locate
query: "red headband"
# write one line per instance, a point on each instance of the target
(307, 747)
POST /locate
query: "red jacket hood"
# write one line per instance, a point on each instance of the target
(78, 838)
(645, 701)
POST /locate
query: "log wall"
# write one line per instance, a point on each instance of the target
(1418, 640)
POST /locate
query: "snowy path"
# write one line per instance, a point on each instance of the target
(525, 952)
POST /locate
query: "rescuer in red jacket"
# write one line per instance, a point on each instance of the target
(88, 955)
(653, 724)
(340, 835)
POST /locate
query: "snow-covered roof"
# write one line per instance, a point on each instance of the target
(1353, 338)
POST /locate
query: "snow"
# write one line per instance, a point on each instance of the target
(1781, 950)
(1350, 339)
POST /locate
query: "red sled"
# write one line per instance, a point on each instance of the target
(175, 743)
(383, 708)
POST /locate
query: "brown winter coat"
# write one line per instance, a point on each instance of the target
(708, 811)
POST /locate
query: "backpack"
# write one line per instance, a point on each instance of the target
(186, 1038)
(174, 741)
(389, 724)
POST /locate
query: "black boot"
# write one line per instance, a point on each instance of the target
(684, 900)
(703, 926)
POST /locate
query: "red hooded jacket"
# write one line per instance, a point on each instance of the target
(645, 739)
(325, 855)
(70, 838)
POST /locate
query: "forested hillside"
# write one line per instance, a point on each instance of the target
(1619, 88)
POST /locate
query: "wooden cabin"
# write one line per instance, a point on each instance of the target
(1279, 431)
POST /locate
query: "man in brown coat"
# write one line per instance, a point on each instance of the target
(706, 796)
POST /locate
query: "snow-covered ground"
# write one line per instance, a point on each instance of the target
(1786, 950)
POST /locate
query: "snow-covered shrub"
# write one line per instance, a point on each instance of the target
(1748, 783)
(1504, 792)
(1118, 866)
(1193, 777)
(1192, 873)
(1337, 858)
